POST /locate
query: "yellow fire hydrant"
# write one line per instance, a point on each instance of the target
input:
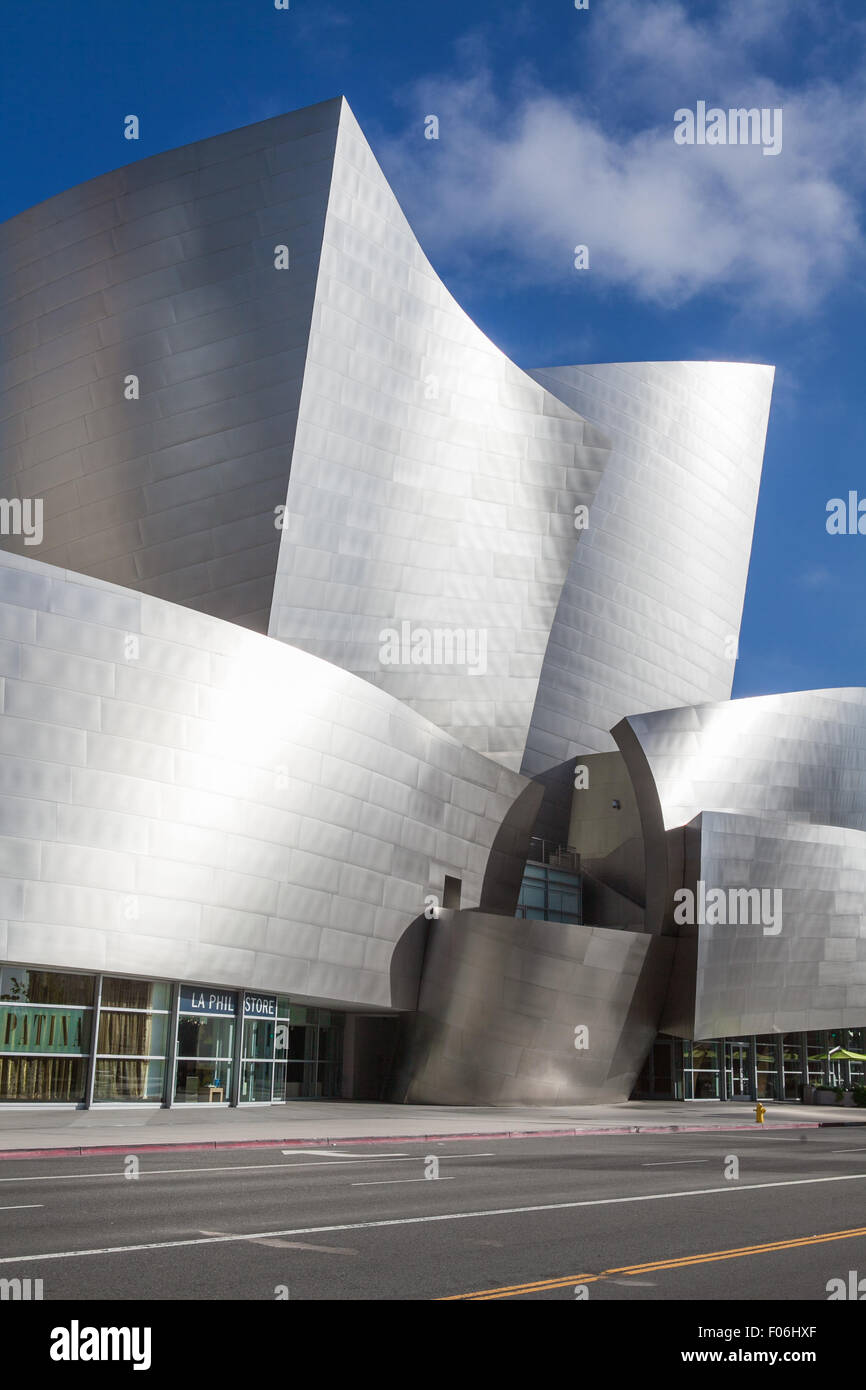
(760, 1112)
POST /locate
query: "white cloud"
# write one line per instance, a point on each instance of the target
(519, 178)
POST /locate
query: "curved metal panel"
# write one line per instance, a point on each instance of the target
(501, 1000)
(808, 970)
(165, 270)
(801, 755)
(774, 787)
(433, 483)
(650, 612)
(183, 798)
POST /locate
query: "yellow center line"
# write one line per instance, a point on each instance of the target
(767, 1247)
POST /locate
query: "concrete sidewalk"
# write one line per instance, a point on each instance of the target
(38, 1132)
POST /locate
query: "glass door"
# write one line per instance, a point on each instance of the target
(739, 1086)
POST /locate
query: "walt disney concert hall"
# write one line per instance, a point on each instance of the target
(365, 717)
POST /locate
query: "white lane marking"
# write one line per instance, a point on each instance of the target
(27, 1206)
(234, 1168)
(392, 1182)
(295, 1245)
(421, 1220)
(674, 1162)
(848, 1151)
(334, 1153)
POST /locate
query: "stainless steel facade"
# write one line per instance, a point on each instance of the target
(763, 793)
(433, 483)
(325, 449)
(184, 798)
(512, 1011)
(165, 270)
(649, 615)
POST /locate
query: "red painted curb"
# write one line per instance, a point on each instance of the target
(96, 1151)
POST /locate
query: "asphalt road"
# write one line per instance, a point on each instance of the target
(717, 1216)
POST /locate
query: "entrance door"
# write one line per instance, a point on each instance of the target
(739, 1085)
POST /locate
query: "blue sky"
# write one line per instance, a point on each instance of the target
(555, 128)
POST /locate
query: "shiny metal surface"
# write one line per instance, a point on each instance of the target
(801, 755)
(218, 806)
(771, 792)
(430, 480)
(184, 798)
(165, 269)
(433, 483)
(650, 612)
(813, 973)
(501, 1001)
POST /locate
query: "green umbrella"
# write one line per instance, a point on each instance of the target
(839, 1054)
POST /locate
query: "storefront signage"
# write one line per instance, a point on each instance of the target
(198, 999)
(28, 1028)
(260, 1005)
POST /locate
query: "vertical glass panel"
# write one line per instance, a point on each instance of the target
(137, 1035)
(302, 1042)
(135, 994)
(279, 1081)
(43, 1078)
(125, 1079)
(205, 1037)
(203, 1081)
(259, 1037)
(46, 1029)
(256, 1080)
(26, 986)
(662, 1062)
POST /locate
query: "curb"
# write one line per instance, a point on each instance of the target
(107, 1150)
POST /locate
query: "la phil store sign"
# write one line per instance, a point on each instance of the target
(196, 999)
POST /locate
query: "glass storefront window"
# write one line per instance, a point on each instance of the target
(205, 1044)
(199, 1081)
(37, 1028)
(819, 1067)
(259, 1038)
(256, 1081)
(300, 1079)
(792, 1065)
(135, 994)
(43, 1079)
(767, 1068)
(259, 1043)
(129, 1078)
(701, 1070)
(46, 1024)
(25, 986)
(774, 1073)
(199, 1036)
(701, 1085)
(132, 1034)
(132, 1041)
